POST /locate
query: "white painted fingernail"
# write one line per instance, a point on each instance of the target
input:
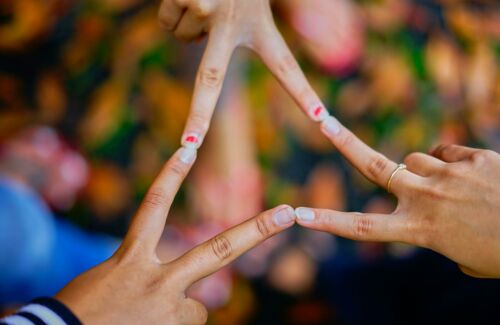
(318, 113)
(187, 155)
(284, 216)
(305, 214)
(191, 140)
(330, 126)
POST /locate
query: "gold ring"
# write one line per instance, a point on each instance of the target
(400, 167)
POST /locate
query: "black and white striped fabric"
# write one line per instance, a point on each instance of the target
(42, 311)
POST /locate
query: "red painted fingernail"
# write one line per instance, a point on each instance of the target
(318, 110)
(191, 140)
(319, 113)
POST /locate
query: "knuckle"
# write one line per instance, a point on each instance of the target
(306, 92)
(411, 159)
(210, 77)
(155, 197)
(480, 157)
(327, 222)
(287, 64)
(323, 218)
(489, 154)
(346, 139)
(200, 121)
(263, 226)
(377, 166)
(221, 247)
(177, 168)
(362, 226)
(445, 149)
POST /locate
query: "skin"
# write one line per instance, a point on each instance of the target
(135, 287)
(231, 24)
(448, 201)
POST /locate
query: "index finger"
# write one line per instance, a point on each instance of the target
(357, 226)
(208, 85)
(217, 252)
(149, 222)
(374, 165)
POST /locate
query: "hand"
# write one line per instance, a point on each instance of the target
(135, 287)
(448, 201)
(230, 24)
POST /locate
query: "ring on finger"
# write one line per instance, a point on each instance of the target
(389, 182)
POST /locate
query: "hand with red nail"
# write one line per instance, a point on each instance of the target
(231, 24)
(448, 201)
(135, 287)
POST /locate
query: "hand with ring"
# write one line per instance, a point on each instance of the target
(448, 201)
(231, 24)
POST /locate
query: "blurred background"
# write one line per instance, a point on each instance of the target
(93, 100)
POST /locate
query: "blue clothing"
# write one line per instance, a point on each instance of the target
(41, 253)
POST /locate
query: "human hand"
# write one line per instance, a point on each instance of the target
(230, 24)
(448, 201)
(135, 287)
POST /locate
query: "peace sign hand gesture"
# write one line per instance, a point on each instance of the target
(448, 201)
(231, 24)
(135, 287)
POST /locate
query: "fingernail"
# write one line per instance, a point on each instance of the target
(318, 113)
(284, 216)
(191, 140)
(187, 155)
(304, 214)
(330, 126)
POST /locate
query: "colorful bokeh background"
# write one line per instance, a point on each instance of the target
(102, 83)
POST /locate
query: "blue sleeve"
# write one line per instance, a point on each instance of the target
(27, 238)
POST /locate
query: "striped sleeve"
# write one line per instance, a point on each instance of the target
(42, 311)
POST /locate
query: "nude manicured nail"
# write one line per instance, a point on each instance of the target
(318, 113)
(191, 140)
(330, 126)
(284, 216)
(187, 155)
(305, 214)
